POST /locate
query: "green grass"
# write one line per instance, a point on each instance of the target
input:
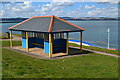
(17, 35)
(97, 49)
(7, 43)
(17, 65)
(4, 36)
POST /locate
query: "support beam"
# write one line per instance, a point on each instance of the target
(11, 38)
(67, 43)
(60, 35)
(51, 45)
(34, 34)
(27, 49)
(81, 41)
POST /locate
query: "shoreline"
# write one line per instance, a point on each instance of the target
(9, 22)
(73, 20)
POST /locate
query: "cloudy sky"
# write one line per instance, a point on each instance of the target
(108, 8)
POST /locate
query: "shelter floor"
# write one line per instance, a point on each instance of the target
(37, 52)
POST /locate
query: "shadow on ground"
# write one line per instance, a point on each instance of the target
(74, 52)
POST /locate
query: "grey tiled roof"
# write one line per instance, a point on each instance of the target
(43, 24)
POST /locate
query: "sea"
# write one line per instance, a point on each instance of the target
(96, 32)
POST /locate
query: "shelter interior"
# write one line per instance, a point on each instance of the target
(41, 40)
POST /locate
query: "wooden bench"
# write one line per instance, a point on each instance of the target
(38, 44)
(43, 45)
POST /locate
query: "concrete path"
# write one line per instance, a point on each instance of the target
(98, 52)
(15, 38)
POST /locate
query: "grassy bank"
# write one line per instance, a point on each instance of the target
(97, 49)
(7, 43)
(4, 36)
(17, 35)
(17, 65)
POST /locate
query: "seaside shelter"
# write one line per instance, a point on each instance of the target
(46, 32)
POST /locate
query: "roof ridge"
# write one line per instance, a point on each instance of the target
(51, 23)
(41, 16)
(69, 23)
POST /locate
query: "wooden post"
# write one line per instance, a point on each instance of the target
(67, 43)
(60, 35)
(27, 49)
(51, 45)
(81, 41)
(11, 38)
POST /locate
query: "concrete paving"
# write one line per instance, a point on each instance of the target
(98, 52)
(15, 38)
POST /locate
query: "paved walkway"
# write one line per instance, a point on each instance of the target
(98, 52)
(15, 38)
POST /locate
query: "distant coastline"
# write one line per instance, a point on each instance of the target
(17, 20)
(9, 22)
(90, 18)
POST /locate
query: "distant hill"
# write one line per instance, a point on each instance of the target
(90, 18)
(17, 20)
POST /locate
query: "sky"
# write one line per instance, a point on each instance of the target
(105, 8)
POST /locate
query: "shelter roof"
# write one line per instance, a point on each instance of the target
(46, 24)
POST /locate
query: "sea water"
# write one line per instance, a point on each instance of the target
(95, 32)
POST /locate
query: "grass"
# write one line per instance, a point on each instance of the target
(17, 35)
(7, 43)
(4, 37)
(17, 65)
(97, 49)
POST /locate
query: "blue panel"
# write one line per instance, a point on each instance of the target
(39, 41)
(61, 43)
(30, 41)
(46, 47)
(23, 43)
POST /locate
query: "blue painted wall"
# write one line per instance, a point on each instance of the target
(33, 40)
(30, 41)
(39, 41)
(47, 47)
(23, 43)
(61, 43)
